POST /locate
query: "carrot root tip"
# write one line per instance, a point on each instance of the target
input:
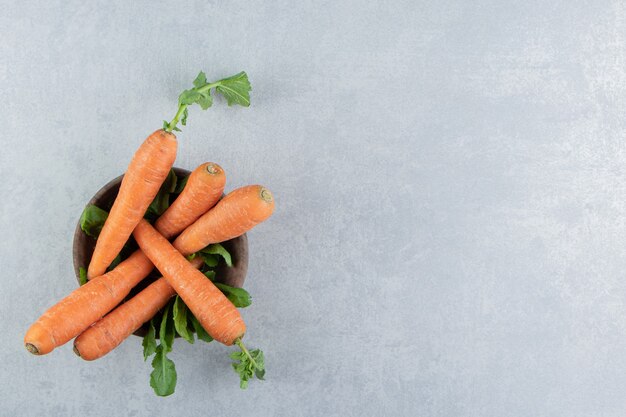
(266, 195)
(32, 348)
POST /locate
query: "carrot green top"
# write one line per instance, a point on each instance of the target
(236, 90)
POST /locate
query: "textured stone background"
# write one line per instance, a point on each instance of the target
(450, 179)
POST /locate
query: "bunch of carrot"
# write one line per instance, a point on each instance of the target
(198, 217)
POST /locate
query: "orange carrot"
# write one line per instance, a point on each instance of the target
(67, 317)
(85, 305)
(204, 188)
(143, 178)
(234, 215)
(256, 205)
(107, 333)
(214, 311)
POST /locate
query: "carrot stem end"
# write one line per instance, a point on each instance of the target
(266, 195)
(212, 169)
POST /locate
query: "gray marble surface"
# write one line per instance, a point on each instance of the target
(449, 176)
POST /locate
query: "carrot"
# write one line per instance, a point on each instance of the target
(235, 214)
(85, 305)
(67, 316)
(142, 180)
(107, 333)
(204, 188)
(214, 311)
(256, 205)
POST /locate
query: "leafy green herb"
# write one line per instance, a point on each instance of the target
(210, 274)
(180, 320)
(200, 80)
(205, 101)
(184, 119)
(82, 276)
(166, 331)
(200, 332)
(238, 296)
(163, 376)
(189, 97)
(235, 89)
(210, 260)
(257, 355)
(149, 341)
(162, 200)
(248, 364)
(217, 249)
(92, 219)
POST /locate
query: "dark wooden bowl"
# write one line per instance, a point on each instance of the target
(84, 245)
